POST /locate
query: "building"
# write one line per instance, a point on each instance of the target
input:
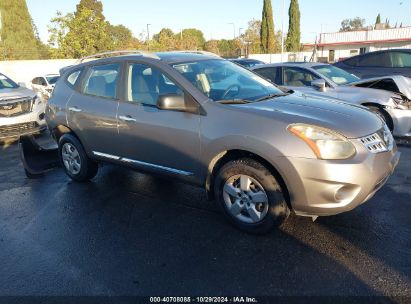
(332, 47)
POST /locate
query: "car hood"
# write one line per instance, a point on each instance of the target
(20, 92)
(403, 83)
(362, 95)
(350, 120)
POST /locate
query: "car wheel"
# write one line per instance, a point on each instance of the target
(74, 159)
(250, 196)
(384, 116)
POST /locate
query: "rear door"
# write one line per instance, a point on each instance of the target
(92, 111)
(157, 139)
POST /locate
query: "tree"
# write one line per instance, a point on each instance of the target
(93, 5)
(121, 37)
(378, 20)
(193, 34)
(294, 33)
(212, 46)
(79, 34)
(18, 37)
(356, 24)
(252, 36)
(268, 42)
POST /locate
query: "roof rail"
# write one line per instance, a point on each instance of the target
(118, 53)
(199, 52)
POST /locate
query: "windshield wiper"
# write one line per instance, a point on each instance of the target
(234, 101)
(269, 96)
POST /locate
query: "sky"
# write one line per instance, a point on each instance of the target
(216, 17)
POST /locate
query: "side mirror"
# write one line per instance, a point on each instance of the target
(171, 102)
(175, 102)
(319, 84)
(22, 84)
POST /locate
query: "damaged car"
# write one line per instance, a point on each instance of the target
(326, 80)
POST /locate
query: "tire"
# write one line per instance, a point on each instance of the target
(264, 195)
(77, 165)
(384, 116)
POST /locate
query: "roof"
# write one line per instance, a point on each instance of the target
(372, 36)
(291, 64)
(183, 56)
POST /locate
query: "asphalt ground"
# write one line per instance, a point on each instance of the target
(129, 234)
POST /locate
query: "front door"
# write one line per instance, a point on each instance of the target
(156, 139)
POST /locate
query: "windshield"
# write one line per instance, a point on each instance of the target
(337, 75)
(223, 80)
(7, 83)
(52, 79)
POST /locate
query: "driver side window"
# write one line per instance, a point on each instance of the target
(146, 84)
(296, 77)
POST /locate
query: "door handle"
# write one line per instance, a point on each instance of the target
(127, 118)
(75, 109)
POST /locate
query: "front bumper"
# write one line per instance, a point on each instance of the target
(321, 187)
(402, 122)
(25, 124)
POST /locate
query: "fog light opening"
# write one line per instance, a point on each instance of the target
(344, 193)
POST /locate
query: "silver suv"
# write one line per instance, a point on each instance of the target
(258, 150)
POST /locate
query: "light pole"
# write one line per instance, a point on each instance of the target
(233, 28)
(148, 36)
(282, 31)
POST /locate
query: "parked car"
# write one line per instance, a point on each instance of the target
(246, 62)
(257, 149)
(44, 85)
(380, 63)
(21, 110)
(327, 80)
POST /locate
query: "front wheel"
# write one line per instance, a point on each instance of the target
(75, 161)
(250, 196)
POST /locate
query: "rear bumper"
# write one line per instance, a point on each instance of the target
(29, 123)
(321, 188)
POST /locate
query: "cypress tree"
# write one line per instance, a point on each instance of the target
(268, 41)
(378, 20)
(18, 40)
(294, 32)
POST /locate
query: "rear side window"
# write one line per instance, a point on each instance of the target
(400, 60)
(102, 81)
(268, 73)
(73, 77)
(375, 60)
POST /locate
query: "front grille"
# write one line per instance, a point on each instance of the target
(18, 129)
(378, 142)
(15, 107)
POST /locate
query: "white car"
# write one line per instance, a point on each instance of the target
(21, 110)
(44, 85)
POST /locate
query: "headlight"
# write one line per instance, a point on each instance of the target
(325, 143)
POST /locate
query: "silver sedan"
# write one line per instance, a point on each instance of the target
(329, 81)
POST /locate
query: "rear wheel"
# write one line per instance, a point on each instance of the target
(250, 196)
(383, 115)
(75, 161)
